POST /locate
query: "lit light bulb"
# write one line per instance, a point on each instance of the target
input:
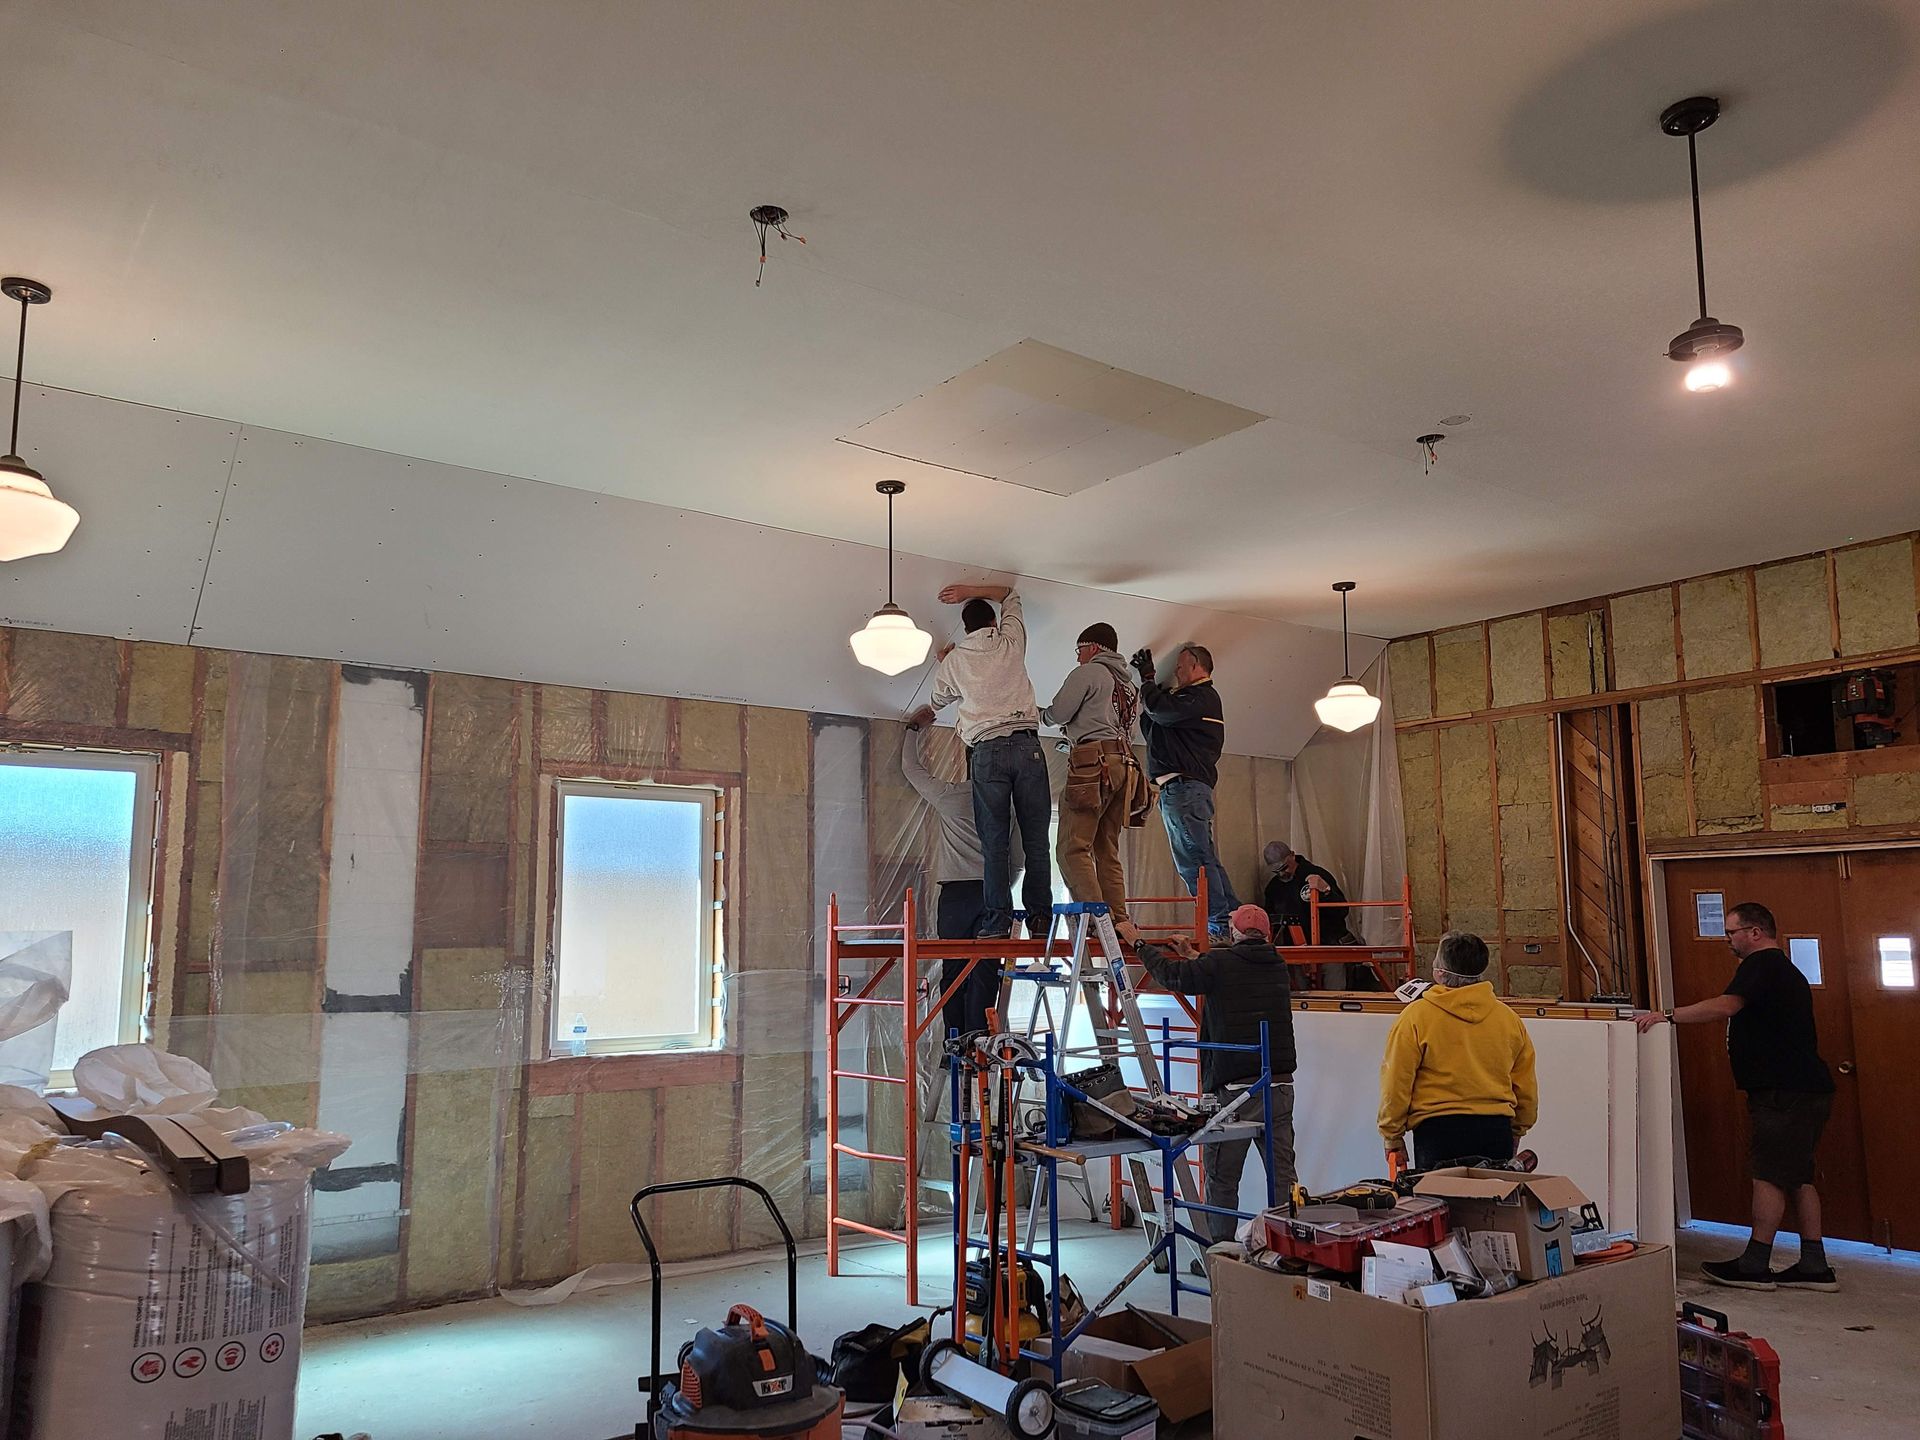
(1709, 375)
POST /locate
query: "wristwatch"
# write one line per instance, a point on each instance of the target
(1669, 1015)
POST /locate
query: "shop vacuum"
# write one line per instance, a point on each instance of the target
(751, 1379)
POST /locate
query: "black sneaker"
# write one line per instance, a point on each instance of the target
(1736, 1275)
(1796, 1277)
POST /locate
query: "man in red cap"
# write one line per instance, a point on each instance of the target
(1245, 983)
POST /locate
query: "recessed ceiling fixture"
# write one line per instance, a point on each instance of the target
(765, 218)
(890, 642)
(1449, 421)
(1348, 705)
(1429, 454)
(1704, 345)
(32, 522)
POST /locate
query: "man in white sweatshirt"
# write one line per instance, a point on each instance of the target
(986, 672)
(956, 874)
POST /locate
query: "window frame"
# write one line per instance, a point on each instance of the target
(143, 856)
(1819, 959)
(712, 801)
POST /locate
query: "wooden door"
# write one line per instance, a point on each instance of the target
(1804, 893)
(1880, 897)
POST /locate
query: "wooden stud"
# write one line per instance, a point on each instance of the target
(1833, 603)
(6, 665)
(123, 681)
(1499, 874)
(1753, 617)
(1686, 770)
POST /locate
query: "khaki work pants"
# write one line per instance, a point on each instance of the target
(1102, 777)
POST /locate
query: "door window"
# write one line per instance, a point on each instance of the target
(1804, 952)
(1896, 962)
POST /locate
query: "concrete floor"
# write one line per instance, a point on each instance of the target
(492, 1370)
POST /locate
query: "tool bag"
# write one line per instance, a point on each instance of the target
(868, 1363)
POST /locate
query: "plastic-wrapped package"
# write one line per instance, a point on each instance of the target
(160, 1314)
(36, 973)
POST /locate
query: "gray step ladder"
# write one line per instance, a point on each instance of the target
(1095, 962)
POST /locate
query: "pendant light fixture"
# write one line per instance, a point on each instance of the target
(32, 522)
(1348, 705)
(890, 642)
(1704, 345)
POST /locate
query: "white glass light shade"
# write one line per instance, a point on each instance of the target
(1709, 375)
(32, 522)
(1347, 706)
(891, 642)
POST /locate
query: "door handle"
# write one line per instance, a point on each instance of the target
(1846, 1067)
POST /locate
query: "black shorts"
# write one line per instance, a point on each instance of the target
(1786, 1126)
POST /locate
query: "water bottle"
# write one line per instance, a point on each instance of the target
(577, 1043)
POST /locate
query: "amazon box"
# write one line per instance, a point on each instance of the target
(1589, 1356)
(1536, 1211)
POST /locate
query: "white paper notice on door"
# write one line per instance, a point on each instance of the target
(1709, 914)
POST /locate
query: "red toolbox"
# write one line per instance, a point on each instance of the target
(1729, 1381)
(1336, 1237)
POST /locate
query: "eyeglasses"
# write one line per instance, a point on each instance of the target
(1736, 929)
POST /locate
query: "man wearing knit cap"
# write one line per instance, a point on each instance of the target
(1244, 982)
(1096, 706)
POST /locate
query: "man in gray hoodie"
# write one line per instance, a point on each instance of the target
(1096, 706)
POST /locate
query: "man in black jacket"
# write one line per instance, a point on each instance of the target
(1244, 982)
(1185, 731)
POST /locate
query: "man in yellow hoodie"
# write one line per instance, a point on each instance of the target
(1458, 1071)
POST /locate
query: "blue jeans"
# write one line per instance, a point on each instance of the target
(1186, 807)
(1010, 782)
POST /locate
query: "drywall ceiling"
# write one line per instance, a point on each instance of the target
(228, 535)
(513, 237)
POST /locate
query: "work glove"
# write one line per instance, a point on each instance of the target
(1142, 663)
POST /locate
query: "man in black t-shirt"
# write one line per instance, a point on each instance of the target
(1775, 1053)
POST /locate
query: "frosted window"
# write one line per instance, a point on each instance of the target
(1896, 962)
(635, 925)
(1804, 951)
(1709, 914)
(67, 848)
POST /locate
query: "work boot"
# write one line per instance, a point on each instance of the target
(1736, 1275)
(1799, 1277)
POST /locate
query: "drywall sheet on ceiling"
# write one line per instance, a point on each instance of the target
(1796, 626)
(1663, 767)
(1578, 645)
(1519, 660)
(482, 574)
(1724, 728)
(1459, 670)
(1048, 419)
(1715, 636)
(1466, 799)
(147, 484)
(1876, 589)
(1410, 667)
(1643, 647)
(1420, 802)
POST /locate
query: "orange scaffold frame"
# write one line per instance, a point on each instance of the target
(896, 949)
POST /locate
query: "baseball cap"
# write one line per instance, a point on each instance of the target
(1251, 917)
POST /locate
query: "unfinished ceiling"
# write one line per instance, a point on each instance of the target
(513, 237)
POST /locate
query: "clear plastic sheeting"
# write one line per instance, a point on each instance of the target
(356, 930)
(1346, 793)
(36, 974)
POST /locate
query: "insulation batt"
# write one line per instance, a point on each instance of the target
(162, 1315)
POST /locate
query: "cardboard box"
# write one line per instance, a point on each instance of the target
(940, 1417)
(1127, 1352)
(1536, 1210)
(1590, 1355)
